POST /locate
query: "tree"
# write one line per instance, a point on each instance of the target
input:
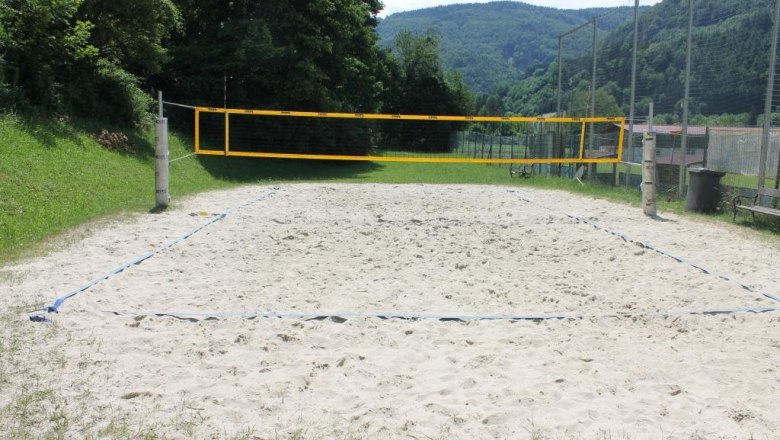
(308, 55)
(83, 56)
(319, 55)
(40, 40)
(606, 105)
(130, 37)
(419, 85)
(5, 42)
(131, 33)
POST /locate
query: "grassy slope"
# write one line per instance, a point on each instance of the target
(54, 175)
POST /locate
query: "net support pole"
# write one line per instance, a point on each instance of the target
(648, 174)
(162, 196)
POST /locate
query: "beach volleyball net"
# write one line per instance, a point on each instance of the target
(407, 138)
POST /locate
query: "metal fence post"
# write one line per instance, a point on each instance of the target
(686, 99)
(770, 86)
(632, 107)
(591, 141)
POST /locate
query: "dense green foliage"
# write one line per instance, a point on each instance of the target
(499, 41)
(93, 59)
(310, 55)
(82, 57)
(417, 84)
(730, 57)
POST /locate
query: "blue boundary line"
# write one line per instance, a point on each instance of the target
(195, 317)
(649, 246)
(309, 316)
(54, 307)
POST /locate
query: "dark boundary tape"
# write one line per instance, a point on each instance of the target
(343, 316)
(649, 246)
(54, 307)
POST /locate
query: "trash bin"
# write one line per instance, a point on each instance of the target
(703, 190)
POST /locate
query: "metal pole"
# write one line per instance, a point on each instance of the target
(593, 81)
(560, 73)
(770, 86)
(162, 196)
(558, 140)
(632, 109)
(560, 59)
(592, 95)
(160, 104)
(651, 115)
(686, 99)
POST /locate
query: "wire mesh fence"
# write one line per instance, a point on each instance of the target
(717, 124)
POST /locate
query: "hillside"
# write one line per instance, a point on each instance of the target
(730, 58)
(490, 43)
(55, 175)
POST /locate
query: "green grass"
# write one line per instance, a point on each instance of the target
(54, 175)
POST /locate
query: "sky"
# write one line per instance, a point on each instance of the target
(393, 6)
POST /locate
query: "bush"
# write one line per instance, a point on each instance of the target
(111, 94)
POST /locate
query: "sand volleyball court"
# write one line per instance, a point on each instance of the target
(404, 311)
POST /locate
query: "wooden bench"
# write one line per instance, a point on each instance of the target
(755, 206)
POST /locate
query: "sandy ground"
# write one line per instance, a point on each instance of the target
(630, 362)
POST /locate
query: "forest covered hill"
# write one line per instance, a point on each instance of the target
(91, 59)
(730, 57)
(507, 54)
(491, 43)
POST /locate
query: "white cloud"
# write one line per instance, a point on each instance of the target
(393, 6)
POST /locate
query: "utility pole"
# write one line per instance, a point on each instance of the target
(686, 99)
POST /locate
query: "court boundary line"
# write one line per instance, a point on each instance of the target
(343, 316)
(54, 307)
(650, 246)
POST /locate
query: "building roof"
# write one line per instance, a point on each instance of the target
(676, 130)
(690, 159)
